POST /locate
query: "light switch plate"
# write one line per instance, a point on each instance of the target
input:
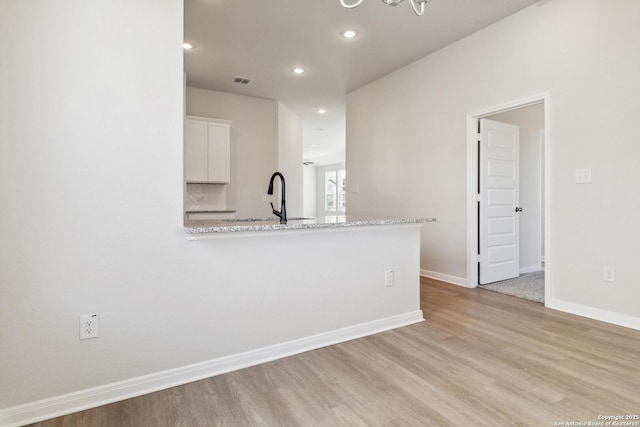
(583, 176)
(388, 278)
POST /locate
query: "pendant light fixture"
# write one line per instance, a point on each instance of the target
(417, 5)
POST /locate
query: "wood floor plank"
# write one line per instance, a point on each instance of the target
(480, 358)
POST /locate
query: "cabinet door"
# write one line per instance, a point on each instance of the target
(218, 153)
(195, 151)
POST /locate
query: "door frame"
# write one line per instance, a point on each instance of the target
(472, 183)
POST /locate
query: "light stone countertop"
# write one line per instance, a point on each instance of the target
(272, 224)
(203, 210)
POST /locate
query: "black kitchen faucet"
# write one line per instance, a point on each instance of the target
(282, 213)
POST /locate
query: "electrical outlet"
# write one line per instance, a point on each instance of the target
(583, 176)
(388, 278)
(89, 326)
(609, 274)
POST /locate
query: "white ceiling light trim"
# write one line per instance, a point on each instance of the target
(349, 34)
(417, 5)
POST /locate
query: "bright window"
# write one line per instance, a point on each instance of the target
(335, 190)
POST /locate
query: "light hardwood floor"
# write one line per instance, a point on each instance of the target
(480, 358)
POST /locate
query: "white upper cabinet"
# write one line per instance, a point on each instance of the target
(195, 150)
(207, 150)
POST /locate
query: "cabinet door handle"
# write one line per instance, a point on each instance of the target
(518, 209)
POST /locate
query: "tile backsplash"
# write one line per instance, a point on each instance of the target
(205, 197)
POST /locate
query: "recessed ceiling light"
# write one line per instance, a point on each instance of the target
(298, 70)
(188, 46)
(349, 34)
(322, 111)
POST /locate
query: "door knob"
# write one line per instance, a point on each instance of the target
(518, 209)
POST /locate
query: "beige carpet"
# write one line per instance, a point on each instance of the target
(529, 286)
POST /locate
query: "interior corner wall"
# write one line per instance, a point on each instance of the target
(406, 141)
(290, 158)
(254, 145)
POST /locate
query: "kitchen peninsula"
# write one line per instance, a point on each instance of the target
(310, 283)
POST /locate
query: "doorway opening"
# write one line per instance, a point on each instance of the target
(521, 213)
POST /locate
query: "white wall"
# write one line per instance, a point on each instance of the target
(290, 159)
(406, 141)
(254, 145)
(309, 192)
(91, 190)
(530, 120)
(91, 196)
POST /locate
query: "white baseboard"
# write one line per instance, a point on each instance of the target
(460, 281)
(595, 313)
(90, 398)
(577, 309)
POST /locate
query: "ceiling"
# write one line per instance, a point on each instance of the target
(264, 40)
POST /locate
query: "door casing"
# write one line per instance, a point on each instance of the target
(472, 184)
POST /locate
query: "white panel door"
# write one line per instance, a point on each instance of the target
(499, 225)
